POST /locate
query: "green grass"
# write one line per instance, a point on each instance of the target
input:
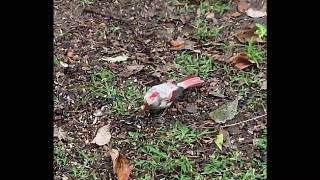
(123, 100)
(261, 30)
(163, 153)
(82, 169)
(56, 61)
(261, 142)
(200, 66)
(60, 156)
(104, 31)
(257, 101)
(203, 31)
(255, 53)
(166, 154)
(218, 7)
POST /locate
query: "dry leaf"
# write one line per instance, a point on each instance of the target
(243, 5)
(246, 35)
(256, 13)
(59, 133)
(210, 16)
(263, 85)
(63, 64)
(180, 44)
(130, 70)
(240, 61)
(120, 163)
(115, 59)
(191, 108)
(219, 140)
(225, 112)
(103, 136)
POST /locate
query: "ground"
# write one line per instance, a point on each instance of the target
(91, 91)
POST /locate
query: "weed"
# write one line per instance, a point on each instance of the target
(203, 31)
(254, 52)
(60, 156)
(261, 30)
(199, 66)
(55, 61)
(123, 100)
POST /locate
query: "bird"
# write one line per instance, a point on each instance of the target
(162, 96)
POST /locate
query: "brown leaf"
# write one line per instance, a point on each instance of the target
(59, 133)
(256, 13)
(243, 5)
(191, 108)
(103, 136)
(245, 35)
(120, 163)
(240, 61)
(180, 44)
(133, 69)
(263, 85)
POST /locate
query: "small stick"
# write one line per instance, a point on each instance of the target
(244, 121)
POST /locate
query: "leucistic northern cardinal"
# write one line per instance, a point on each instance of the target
(161, 96)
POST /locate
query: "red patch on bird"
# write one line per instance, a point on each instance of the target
(154, 95)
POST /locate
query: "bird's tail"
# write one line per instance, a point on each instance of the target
(190, 81)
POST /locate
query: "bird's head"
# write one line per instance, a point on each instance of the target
(151, 99)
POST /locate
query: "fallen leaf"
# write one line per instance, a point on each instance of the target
(59, 133)
(63, 64)
(247, 35)
(103, 136)
(256, 13)
(225, 112)
(120, 163)
(210, 16)
(98, 113)
(243, 5)
(132, 70)
(191, 108)
(226, 138)
(219, 140)
(70, 54)
(115, 59)
(263, 85)
(180, 44)
(240, 61)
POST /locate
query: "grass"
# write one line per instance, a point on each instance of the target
(257, 101)
(203, 31)
(261, 30)
(166, 154)
(60, 156)
(123, 100)
(104, 30)
(56, 61)
(254, 52)
(215, 6)
(261, 142)
(200, 66)
(82, 169)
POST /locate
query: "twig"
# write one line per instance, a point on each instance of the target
(244, 121)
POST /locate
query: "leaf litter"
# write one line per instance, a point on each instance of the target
(103, 136)
(225, 112)
(120, 164)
